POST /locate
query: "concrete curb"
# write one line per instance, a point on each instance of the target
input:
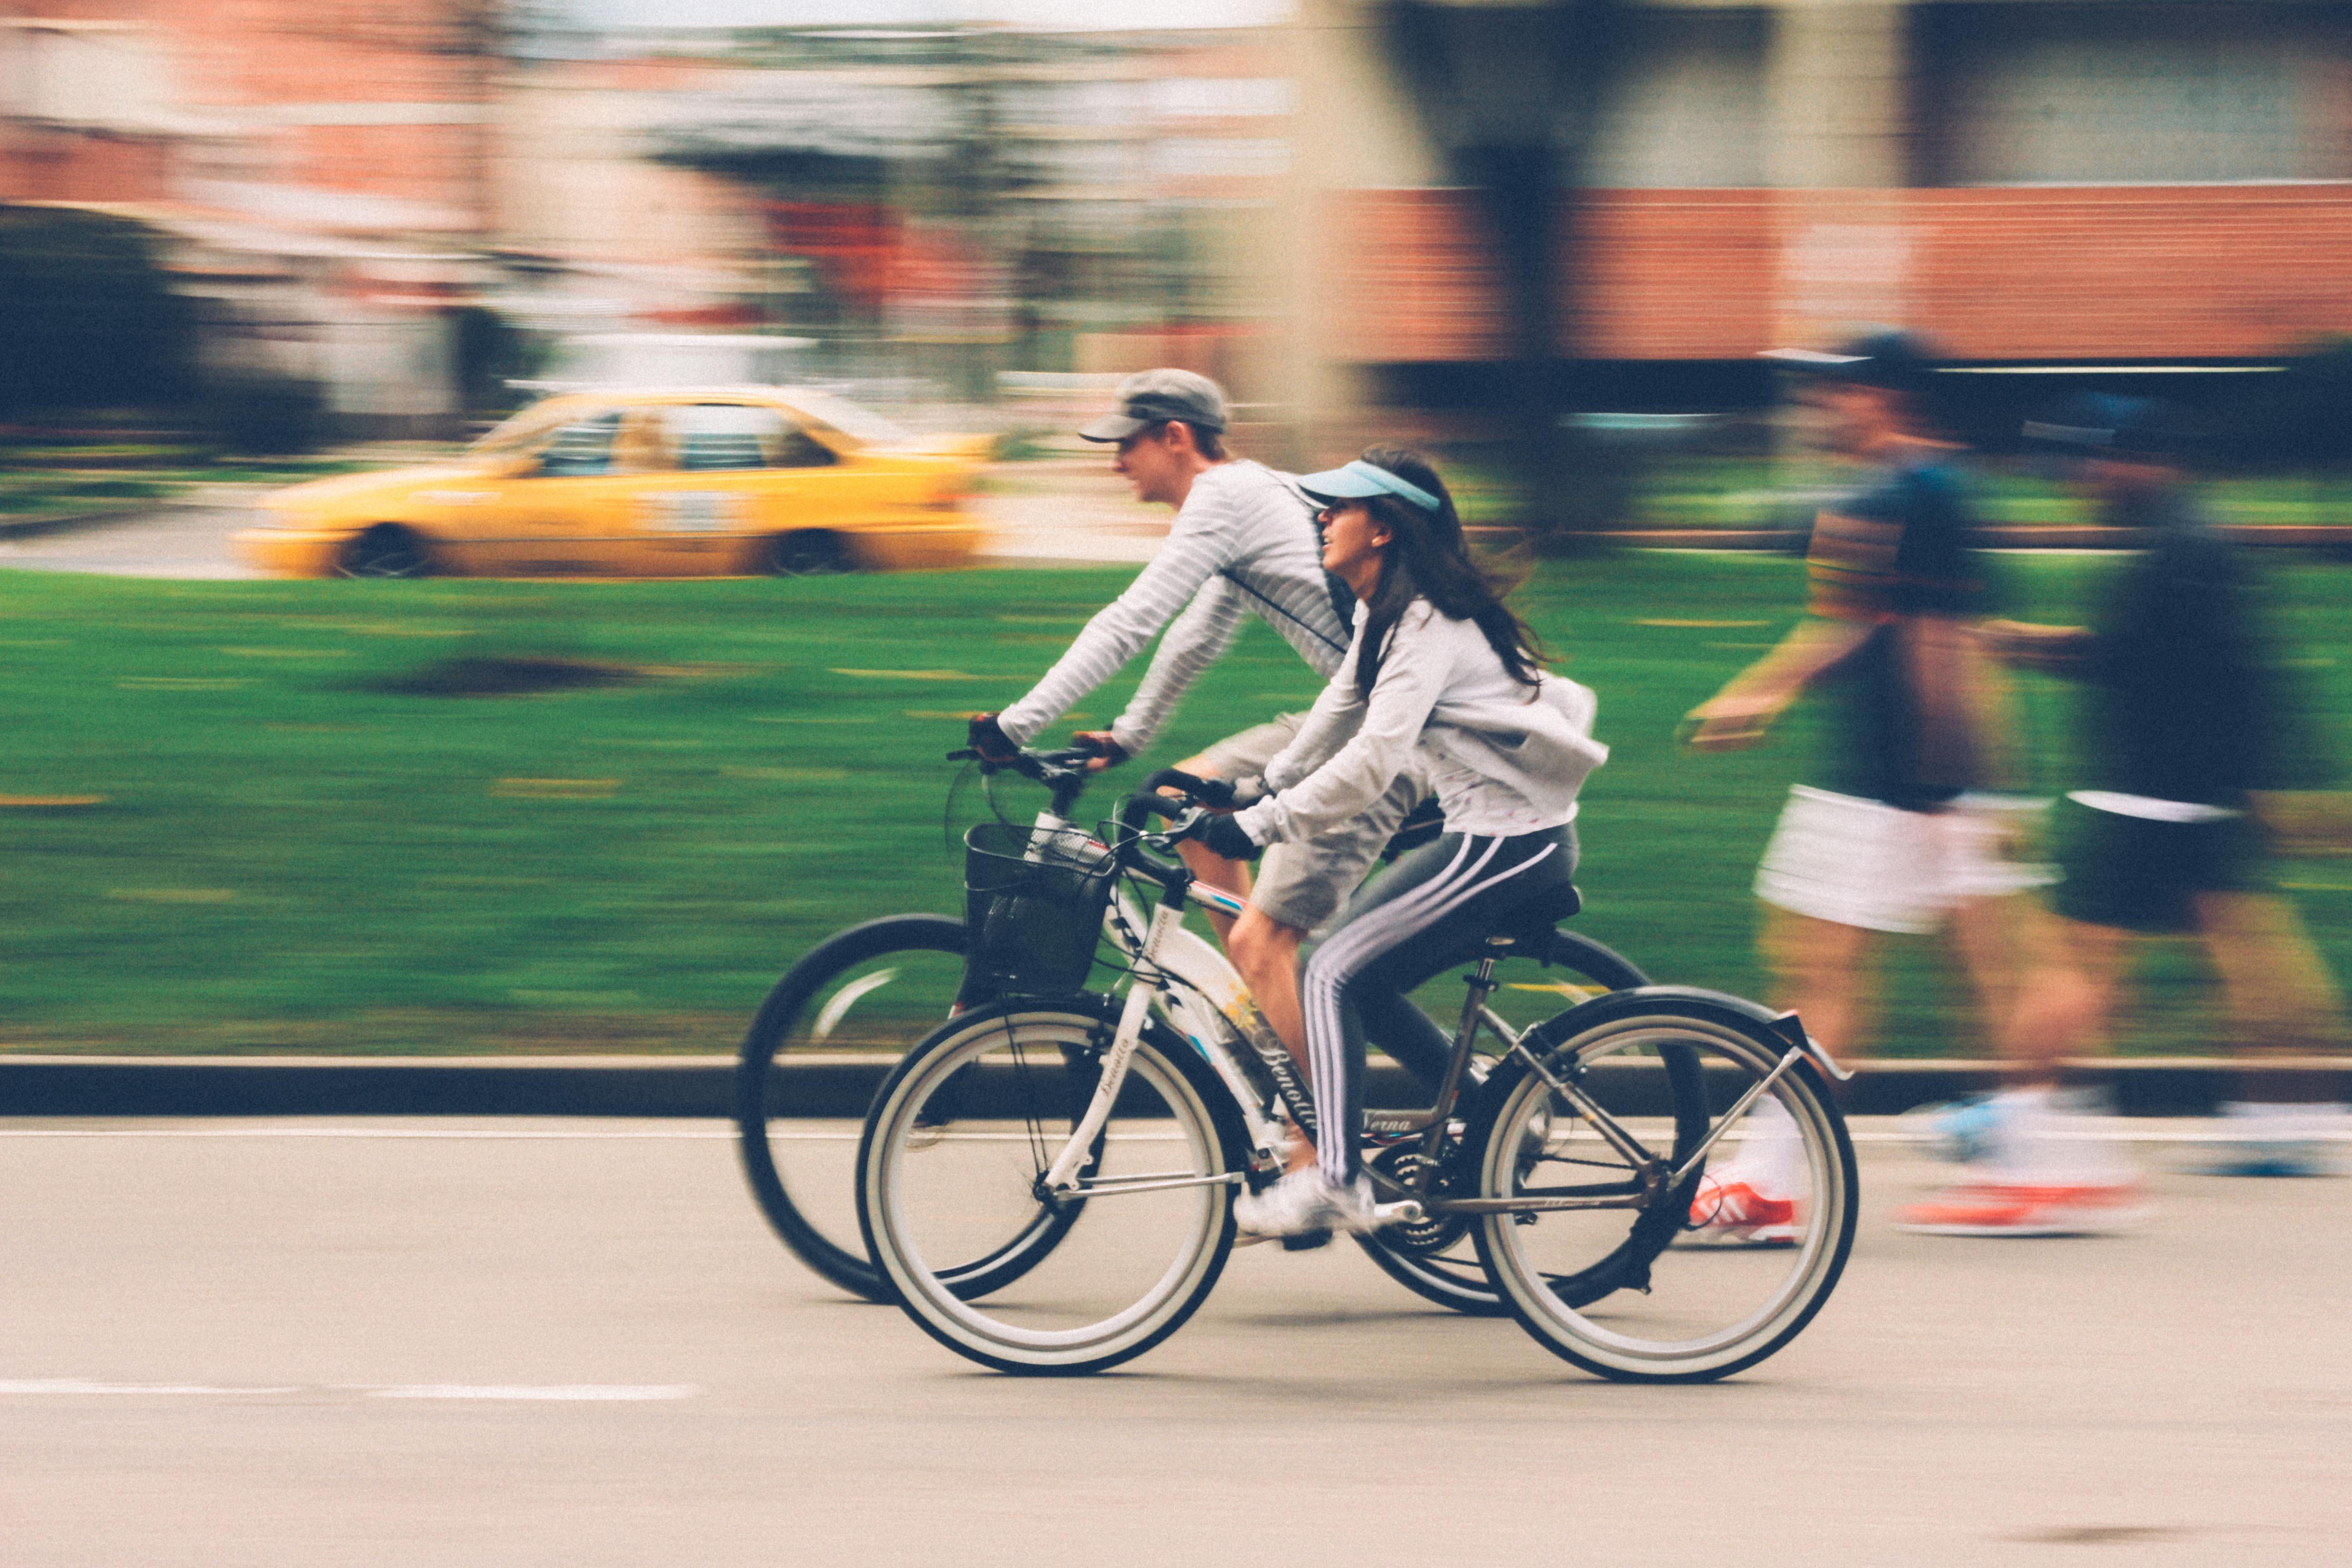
(68, 521)
(833, 1085)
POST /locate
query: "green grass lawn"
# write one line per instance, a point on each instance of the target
(288, 858)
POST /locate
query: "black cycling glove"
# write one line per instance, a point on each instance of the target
(1225, 837)
(1226, 794)
(988, 738)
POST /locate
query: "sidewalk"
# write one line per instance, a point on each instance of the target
(835, 1084)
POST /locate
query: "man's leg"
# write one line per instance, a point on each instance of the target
(1820, 971)
(2281, 1003)
(2037, 1163)
(2281, 1000)
(2066, 999)
(1236, 756)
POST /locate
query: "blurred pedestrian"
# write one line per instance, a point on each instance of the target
(2187, 726)
(1886, 838)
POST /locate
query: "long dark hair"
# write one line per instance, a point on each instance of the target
(1426, 557)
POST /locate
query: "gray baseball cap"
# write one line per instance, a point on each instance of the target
(1150, 396)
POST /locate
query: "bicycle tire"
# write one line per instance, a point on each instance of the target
(1463, 1285)
(1720, 1033)
(889, 1191)
(762, 1094)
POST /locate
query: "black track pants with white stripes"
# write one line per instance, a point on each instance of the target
(1441, 899)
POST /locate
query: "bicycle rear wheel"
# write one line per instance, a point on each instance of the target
(1128, 1266)
(851, 1007)
(1607, 1288)
(1437, 1260)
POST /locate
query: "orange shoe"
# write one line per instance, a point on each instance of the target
(2025, 1208)
(1736, 1213)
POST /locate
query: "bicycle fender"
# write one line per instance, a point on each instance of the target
(1737, 1011)
(1596, 958)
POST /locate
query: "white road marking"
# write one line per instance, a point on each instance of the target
(558, 1391)
(385, 1132)
(84, 1386)
(726, 1132)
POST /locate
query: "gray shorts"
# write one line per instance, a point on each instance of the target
(1303, 884)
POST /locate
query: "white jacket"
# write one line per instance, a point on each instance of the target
(1505, 759)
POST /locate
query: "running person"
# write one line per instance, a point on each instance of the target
(1889, 839)
(1243, 543)
(1440, 679)
(2190, 730)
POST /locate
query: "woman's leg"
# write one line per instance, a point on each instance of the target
(1441, 896)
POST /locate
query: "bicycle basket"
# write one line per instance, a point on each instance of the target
(1034, 902)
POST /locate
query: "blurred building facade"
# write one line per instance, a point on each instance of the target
(2027, 180)
(2030, 181)
(321, 168)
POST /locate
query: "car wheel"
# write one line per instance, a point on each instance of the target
(808, 553)
(386, 550)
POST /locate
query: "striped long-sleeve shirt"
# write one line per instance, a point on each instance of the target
(1243, 543)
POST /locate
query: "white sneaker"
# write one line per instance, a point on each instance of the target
(1303, 1201)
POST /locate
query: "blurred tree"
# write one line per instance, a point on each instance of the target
(491, 351)
(88, 317)
(1511, 92)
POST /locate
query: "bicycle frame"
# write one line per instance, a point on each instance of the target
(1211, 1006)
(1211, 1002)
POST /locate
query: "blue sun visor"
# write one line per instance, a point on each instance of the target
(1360, 480)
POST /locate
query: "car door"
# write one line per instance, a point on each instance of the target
(568, 512)
(744, 474)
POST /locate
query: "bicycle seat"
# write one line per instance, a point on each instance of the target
(1548, 910)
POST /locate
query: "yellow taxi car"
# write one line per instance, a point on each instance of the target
(723, 482)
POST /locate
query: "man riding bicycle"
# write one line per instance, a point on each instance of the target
(1244, 543)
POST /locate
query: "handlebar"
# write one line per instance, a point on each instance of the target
(1065, 773)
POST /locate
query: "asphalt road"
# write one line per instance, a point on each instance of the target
(559, 1342)
(184, 542)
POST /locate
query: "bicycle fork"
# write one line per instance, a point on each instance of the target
(1061, 1178)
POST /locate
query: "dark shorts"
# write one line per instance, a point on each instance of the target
(2143, 875)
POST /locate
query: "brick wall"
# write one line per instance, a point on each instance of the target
(2130, 272)
(1671, 274)
(43, 165)
(1409, 278)
(231, 58)
(1995, 273)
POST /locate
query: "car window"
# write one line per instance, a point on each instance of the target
(580, 447)
(522, 432)
(861, 423)
(714, 437)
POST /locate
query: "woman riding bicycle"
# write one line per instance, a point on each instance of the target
(1439, 674)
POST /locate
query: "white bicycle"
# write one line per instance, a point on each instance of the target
(868, 994)
(1046, 1181)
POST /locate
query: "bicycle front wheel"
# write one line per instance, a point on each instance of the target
(855, 1003)
(1135, 1252)
(1629, 1293)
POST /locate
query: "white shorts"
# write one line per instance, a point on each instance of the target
(1863, 863)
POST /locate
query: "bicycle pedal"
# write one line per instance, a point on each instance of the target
(1307, 1241)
